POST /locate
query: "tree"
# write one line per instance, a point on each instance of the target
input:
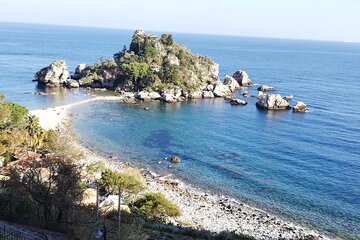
(36, 133)
(156, 205)
(12, 115)
(51, 186)
(119, 183)
(136, 70)
(167, 39)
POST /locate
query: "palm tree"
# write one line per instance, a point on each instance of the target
(36, 133)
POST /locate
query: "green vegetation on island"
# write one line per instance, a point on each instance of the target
(152, 64)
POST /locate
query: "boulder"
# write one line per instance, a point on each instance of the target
(71, 83)
(208, 94)
(210, 87)
(273, 102)
(232, 83)
(154, 95)
(196, 95)
(79, 70)
(265, 88)
(168, 97)
(236, 101)
(288, 98)
(261, 94)
(54, 75)
(300, 107)
(221, 90)
(242, 78)
(144, 96)
(175, 159)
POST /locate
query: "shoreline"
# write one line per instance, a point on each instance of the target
(200, 209)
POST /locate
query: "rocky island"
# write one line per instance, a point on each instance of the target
(152, 68)
(155, 68)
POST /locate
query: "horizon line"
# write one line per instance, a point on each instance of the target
(180, 32)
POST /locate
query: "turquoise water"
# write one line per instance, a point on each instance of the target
(302, 166)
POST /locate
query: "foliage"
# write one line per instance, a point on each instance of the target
(157, 206)
(12, 115)
(36, 133)
(167, 39)
(111, 181)
(51, 187)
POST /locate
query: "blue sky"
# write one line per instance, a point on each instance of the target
(337, 20)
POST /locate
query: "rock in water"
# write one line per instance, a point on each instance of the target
(221, 90)
(272, 102)
(79, 71)
(208, 94)
(288, 98)
(300, 107)
(154, 95)
(196, 95)
(71, 83)
(232, 83)
(236, 101)
(54, 75)
(144, 96)
(175, 159)
(265, 88)
(242, 78)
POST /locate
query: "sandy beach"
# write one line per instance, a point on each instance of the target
(51, 118)
(200, 209)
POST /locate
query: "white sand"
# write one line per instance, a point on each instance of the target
(51, 118)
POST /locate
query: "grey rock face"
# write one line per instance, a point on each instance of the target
(242, 78)
(300, 107)
(232, 83)
(208, 94)
(71, 83)
(54, 75)
(221, 90)
(273, 102)
(154, 95)
(265, 88)
(236, 101)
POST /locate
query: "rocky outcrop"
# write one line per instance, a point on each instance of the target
(265, 88)
(144, 96)
(232, 83)
(71, 83)
(242, 78)
(236, 101)
(221, 90)
(54, 75)
(208, 94)
(195, 95)
(300, 107)
(272, 102)
(79, 71)
(154, 95)
(261, 95)
(288, 98)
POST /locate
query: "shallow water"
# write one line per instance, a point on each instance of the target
(304, 166)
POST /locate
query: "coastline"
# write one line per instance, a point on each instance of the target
(201, 210)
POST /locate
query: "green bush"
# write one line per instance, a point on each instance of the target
(12, 115)
(110, 181)
(155, 205)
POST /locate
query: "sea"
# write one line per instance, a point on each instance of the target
(302, 166)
